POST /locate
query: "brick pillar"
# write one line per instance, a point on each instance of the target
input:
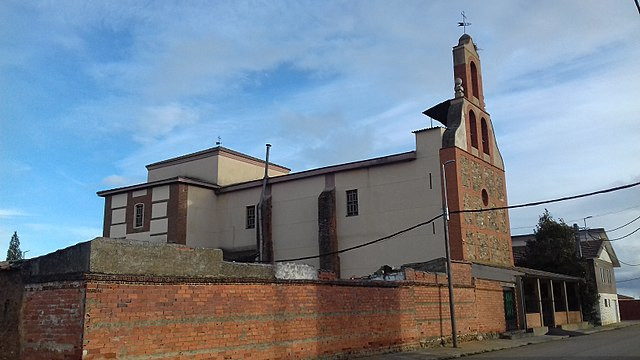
(327, 234)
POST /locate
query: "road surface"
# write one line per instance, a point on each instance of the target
(614, 344)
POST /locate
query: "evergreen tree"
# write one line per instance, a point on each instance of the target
(14, 252)
(554, 250)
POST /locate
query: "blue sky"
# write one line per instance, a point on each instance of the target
(93, 91)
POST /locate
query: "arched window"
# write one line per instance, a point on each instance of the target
(475, 89)
(485, 136)
(473, 129)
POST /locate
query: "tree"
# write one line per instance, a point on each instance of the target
(554, 250)
(14, 252)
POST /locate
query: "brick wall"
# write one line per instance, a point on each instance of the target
(101, 316)
(52, 317)
(629, 309)
(269, 320)
(490, 306)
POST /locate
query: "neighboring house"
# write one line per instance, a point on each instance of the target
(602, 259)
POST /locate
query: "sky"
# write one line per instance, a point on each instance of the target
(91, 92)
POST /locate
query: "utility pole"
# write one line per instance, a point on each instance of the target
(445, 221)
(576, 230)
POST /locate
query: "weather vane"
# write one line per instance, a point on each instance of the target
(464, 22)
(219, 142)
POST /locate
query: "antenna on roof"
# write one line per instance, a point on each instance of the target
(219, 142)
(464, 22)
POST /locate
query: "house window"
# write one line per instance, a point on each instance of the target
(251, 217)
(485, 136)
(473, 129)
(352, 202)
(139, 212)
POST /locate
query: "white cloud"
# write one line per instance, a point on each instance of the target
(158, 121)
(11, 213)
(115, 180)
(165, 79)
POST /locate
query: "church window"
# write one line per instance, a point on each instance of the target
(139, 213)
(251, 217)
(475, 89)
(485, 136)
(485, 197)
(473, 129)
(352, 202)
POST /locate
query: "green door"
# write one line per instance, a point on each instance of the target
(510, 309)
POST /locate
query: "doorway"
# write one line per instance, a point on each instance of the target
(510, 315)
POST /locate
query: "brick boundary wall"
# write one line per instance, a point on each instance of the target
(90, 315)
(52, 320)
(138, 318)
(629, 309)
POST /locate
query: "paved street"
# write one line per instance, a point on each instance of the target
(615, 341)
(615, 344)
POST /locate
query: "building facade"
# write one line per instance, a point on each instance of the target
(217, 198)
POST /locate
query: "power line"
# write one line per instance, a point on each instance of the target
(625, 280)
(606, 230)
(622, 237)
(628, 263)
(364, 244)
(616, 239)
(608, 213)
(620, 227)
(604, 191)
(536, 203)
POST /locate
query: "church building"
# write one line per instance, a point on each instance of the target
(220, 198)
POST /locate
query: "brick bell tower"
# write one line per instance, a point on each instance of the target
(476, 178)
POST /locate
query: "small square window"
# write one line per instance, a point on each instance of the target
(352, 202)
(251, 217)
(139, 219)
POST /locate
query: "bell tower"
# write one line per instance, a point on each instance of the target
(475, 176)
(466, 66)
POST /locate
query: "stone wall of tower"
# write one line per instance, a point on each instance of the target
(482, 237)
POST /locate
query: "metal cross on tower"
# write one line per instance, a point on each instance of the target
(464, 22)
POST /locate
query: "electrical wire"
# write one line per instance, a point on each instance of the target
(364, 244)
(622, 262)
(536, 203)
(606, 230)
(620, 227)
(607, 213)
(622, 237)
(625, 280)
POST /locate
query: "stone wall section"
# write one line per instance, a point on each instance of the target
(482, 237)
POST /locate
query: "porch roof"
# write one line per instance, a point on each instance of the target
(534, 273)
